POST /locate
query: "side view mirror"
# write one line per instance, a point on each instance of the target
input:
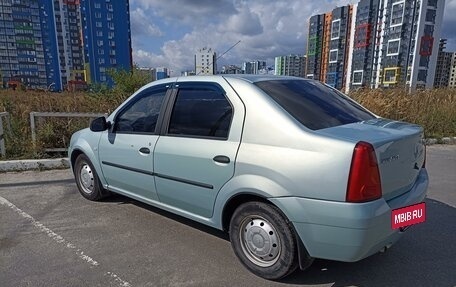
(99, 124)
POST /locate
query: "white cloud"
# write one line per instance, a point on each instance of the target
(141, 25)
(265, 28)
(244, 23)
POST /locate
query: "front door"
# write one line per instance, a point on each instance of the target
(126, 151)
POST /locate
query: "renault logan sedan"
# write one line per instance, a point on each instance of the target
(292, 169)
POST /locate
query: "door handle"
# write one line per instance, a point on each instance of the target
(222, 159)
(144, 150)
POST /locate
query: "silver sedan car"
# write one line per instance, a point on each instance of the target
(291, 168)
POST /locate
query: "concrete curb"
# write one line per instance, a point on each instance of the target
(34, 164)
(445, 140)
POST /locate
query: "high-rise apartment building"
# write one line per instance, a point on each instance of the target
(291, 65)
(387, 43)
(49, 44)
(253, 67)
(407, 54)
(404, 53)
(363, 49)
(452, 79)
(67, 17)
(232, 69)
(329, 46)
(107, 37)
(27, 54)
(443, 68)
(205, 62)
(315, 47)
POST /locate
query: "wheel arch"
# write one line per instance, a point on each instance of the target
(234, 202)
(73, 156)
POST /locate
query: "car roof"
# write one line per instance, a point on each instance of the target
(250, 78)
(260, 78)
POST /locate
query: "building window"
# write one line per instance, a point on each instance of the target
(100, 52)
(98, 24)
(357, 77)
(424, 62)
(430, 15)
(362, 35)
(331, 79)
(428, 30)
(113, 61)
(393, 47)
(101, 61)
(100, 43)
(98, 15)
(422, 75)
(335, 29)
(333, 56)
(432, 3)
(427, 43)
(312, 46)
(391, 75)
(397, 14)
(97, 5)
(100, 33)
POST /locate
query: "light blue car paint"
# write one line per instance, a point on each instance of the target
(273, 156)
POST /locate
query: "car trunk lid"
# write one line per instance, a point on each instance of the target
(399, 148)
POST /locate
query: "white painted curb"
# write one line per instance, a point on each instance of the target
(34, 164)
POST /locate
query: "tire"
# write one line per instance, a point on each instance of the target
(87, 180)
(264, 240)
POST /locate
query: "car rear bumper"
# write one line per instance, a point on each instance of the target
(348, 231)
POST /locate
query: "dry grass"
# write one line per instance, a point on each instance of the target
(435, 110)
(51, 132)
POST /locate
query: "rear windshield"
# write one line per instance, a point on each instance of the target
(313, 104)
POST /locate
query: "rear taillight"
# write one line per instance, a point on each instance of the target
(364, 178)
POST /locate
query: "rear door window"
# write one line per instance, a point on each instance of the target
(314, 104)
(201, 110)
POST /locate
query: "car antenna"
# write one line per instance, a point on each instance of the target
(222, 54)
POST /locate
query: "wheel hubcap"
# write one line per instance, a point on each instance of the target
(260, 241)
(86, 179)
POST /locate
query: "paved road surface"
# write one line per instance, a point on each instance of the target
(51, 236)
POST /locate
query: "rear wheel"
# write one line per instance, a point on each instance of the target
(87, 180)
(263, 240)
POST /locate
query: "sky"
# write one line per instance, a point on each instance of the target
(168, 33)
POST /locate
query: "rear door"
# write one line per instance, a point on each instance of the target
(196, 154)
(126, 151)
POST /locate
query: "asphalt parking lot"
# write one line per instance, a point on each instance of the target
(52, 236)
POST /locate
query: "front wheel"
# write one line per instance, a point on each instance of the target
(263, 240)
(87, 179)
